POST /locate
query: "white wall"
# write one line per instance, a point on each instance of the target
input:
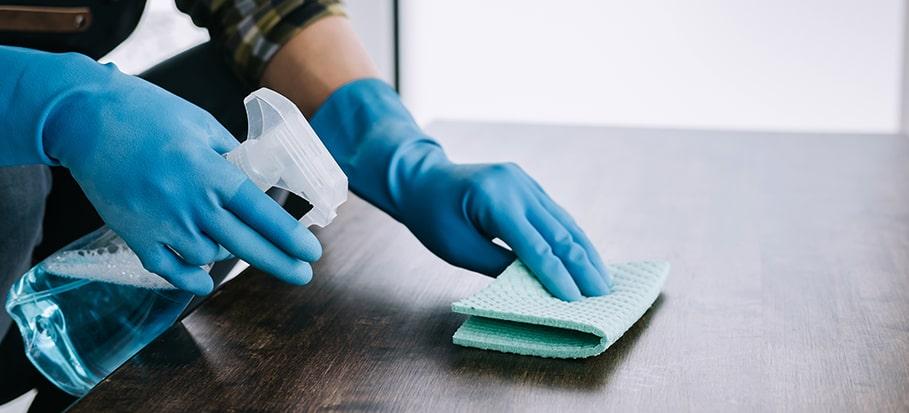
(828, 65)
(745, 64)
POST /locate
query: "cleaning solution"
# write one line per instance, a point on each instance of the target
(91, 306)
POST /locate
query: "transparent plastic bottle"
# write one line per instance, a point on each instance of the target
(91, 306)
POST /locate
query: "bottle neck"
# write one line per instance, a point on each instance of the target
(255, 158)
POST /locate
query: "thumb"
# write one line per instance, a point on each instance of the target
(482, 255)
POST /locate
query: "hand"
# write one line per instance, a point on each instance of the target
(151, 164)
(455, 210)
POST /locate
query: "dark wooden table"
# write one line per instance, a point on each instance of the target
(789, 290)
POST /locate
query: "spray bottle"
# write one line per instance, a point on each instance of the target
(90, 306)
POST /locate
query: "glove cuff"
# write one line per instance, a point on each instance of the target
(80, 101)
(36, 100)
(376, 142)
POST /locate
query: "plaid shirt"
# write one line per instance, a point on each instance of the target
(252, 31)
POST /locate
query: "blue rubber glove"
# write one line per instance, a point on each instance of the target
(455, 210)
(151, 164)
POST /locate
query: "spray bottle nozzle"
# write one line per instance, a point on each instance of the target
(282, 150)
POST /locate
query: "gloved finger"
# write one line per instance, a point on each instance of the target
(577, 234)
(197, 251)
(489, 258)
(265, 216)
(248, 245)
(534, 251)
(478, 253)
(162, 261)
(572, 254)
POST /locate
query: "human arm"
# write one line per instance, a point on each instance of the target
(454, 209)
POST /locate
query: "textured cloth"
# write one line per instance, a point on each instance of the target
(252, 31)
(515, 314)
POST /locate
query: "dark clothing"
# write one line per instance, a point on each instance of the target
(23, 190)
(247, 32)
(107, 23)
(251, 31)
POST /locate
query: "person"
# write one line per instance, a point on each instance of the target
(147, 151)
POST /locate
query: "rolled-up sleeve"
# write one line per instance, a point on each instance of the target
(251, 31)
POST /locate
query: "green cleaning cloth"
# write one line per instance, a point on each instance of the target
(515, 314)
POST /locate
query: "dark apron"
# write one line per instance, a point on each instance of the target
(90, 27)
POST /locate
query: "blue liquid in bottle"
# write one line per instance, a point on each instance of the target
(91, 306)
(88, 308)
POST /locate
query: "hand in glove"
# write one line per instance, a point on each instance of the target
(455, 210)
(151, 164)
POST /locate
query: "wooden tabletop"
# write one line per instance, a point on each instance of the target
(789, 290)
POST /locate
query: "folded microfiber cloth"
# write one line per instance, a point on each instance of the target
(515, 314)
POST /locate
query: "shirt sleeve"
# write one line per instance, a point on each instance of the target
(250, 32)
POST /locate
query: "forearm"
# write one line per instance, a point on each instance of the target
(317, 61)
(326, 71)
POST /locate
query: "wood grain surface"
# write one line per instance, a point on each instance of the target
(789, 290)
